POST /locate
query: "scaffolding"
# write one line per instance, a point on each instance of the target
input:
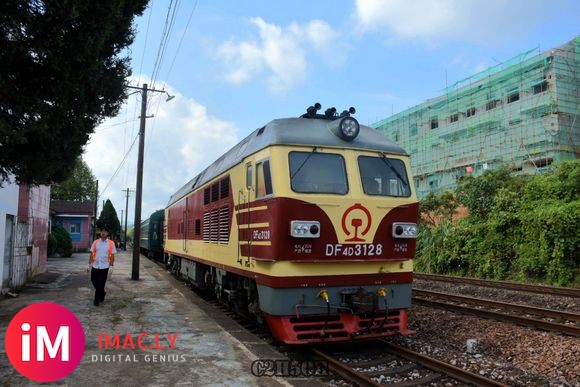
(522, 112)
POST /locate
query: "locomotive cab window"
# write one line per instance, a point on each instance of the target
(312, 172)
(248, 175)
(383, 176)
(263, 179)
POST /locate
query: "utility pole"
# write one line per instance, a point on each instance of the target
(95, 218)
(139, 185)
(121, 232)
(126, 212)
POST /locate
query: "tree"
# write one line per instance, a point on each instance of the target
(81, 185)
(61, 74)
(435, 209)
(63, 241)
(477, 194)
(109, 219)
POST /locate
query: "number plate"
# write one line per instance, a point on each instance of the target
(354, 250)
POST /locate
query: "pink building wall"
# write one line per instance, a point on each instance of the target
(34, 208)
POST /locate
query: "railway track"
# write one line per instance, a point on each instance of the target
(547, 319)
(398, 366)
(542, 289)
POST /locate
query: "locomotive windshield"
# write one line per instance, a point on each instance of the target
(383, 176)
(312, 172)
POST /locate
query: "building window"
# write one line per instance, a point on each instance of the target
(75, 228)
(470, 112)
(396, 136)
(413, 130)
(434, 123)
(513, 97)
(491, 104)
(454, 118)
(540, 88)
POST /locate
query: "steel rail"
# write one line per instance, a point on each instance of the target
(501, 305)
(345, 371)
(441, 367)
(571, 330)
(542, 289)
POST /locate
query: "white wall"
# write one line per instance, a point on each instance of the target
(8, 205)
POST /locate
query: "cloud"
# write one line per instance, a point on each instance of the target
(278, 52)
(181, 140)
(432, 20)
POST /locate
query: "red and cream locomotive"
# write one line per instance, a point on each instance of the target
(309, 224)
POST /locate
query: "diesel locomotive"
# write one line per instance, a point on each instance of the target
(308, 224)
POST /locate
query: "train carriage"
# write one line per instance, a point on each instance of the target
(309, 224)
(151, 236)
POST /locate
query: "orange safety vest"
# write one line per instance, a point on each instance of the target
(94, 252)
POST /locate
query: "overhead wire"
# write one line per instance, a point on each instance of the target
(162, 49)
(165, 35)
(119, 167)
(106, 127)
(170, 69)
(127, 170)
(181, 41)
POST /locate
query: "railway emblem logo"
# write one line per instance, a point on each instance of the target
(353, 219)
(45, 342)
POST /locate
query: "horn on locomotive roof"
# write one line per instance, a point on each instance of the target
(311, 110)
(329, 114)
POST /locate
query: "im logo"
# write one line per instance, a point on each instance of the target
(45, 342)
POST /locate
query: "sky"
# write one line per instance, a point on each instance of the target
(233, 66)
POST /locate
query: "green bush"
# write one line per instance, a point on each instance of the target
(52, 245)
(523, 228)
(63, 242)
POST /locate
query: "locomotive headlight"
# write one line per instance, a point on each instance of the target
(404, 230)
(305, 229)
(348, 128)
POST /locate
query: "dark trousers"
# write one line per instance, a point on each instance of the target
(99, 278)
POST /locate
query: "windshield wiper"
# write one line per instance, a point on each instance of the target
(386, 161)
(303, 163)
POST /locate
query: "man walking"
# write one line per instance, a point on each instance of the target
(102, 257)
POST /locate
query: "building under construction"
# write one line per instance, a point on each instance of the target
(523, 113)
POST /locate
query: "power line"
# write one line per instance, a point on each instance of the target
(105, 127)
(119, 167)
(144, 48)
(165, 36)
(169, 72)
(181, 41)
